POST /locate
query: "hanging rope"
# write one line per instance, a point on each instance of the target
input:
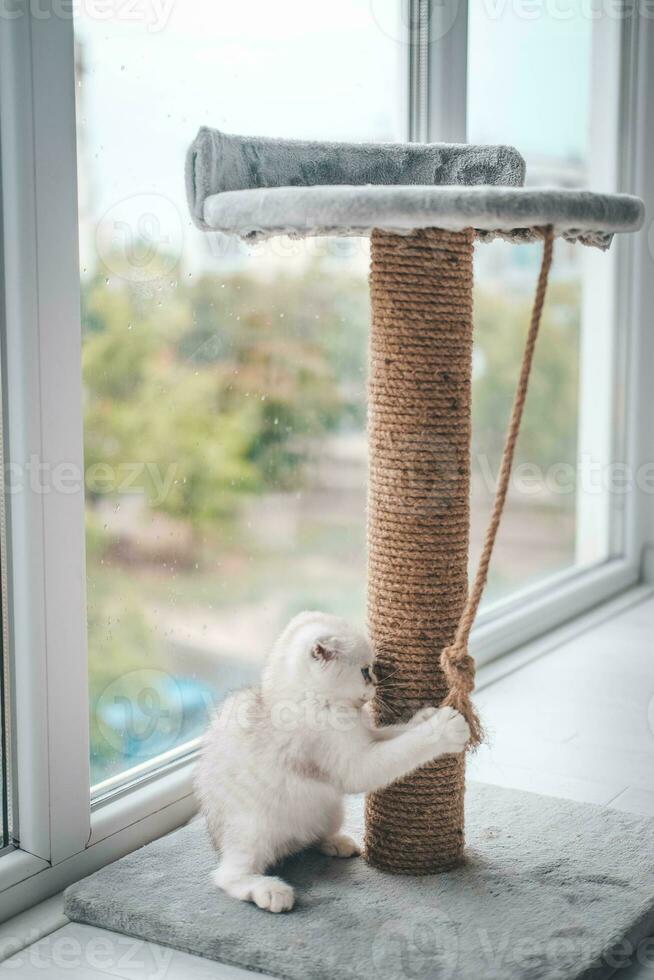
(457, 664)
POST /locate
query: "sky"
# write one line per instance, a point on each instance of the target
(529, 79)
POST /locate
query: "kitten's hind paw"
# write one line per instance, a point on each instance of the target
(273, 895)
(340, 846)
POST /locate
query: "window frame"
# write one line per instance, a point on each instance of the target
(42, 348)
(63, 835)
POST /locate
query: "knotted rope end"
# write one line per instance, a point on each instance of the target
(459, 669)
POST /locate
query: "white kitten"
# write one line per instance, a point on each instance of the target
(277, 760)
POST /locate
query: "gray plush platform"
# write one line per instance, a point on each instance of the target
(494, 212)
(217, 162)
(257, 188)
(549, 889)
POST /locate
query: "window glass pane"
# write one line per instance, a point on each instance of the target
(224, 386)
(529, 84)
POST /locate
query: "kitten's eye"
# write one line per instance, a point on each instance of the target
(365, 673)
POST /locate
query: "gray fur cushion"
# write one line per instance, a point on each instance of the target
(217, 162)
(508, 212)
(550, 890)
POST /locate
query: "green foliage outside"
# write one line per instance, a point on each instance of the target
(549, 429)
(221, 381)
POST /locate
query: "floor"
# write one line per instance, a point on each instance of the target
(576, 722)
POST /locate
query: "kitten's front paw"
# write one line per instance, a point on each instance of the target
(425, 714)
(456, 732)
(449, 729)
(273, 895)
(340, 846)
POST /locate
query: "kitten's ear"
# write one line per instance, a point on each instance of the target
(320, 651)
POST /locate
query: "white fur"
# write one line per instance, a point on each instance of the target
(277, 760)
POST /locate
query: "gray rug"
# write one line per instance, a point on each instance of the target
(551, 889)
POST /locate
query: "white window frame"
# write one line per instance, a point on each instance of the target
(62, 836)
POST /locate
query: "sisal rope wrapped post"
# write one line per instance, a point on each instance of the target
(418, 520)
(419, 611)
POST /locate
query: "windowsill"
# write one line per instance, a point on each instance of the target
(126, 782)
(154, 795)
(19, 865)
(535, 616)
(32, 925)
(492, 669)
(573, 716)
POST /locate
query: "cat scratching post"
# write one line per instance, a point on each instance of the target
(418, 518)
(416, 204)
